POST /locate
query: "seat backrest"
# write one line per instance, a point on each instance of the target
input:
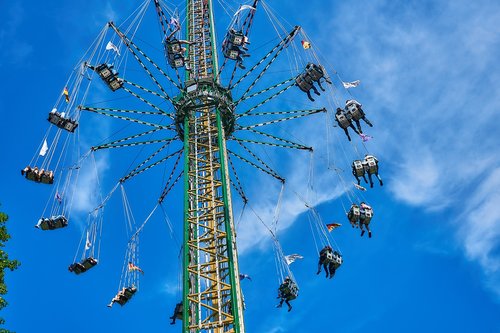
(342, 120)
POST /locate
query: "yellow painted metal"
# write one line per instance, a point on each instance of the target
(212, 295)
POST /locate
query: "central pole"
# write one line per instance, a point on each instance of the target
(212, 300)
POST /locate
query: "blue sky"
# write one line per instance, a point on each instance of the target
(429, 84)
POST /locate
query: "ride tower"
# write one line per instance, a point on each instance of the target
(212, 300)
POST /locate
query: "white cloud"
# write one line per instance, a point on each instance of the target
(430, 89)
(86, 190)
(171, 288)
(431, 86)
(480, 228)
(297, 192)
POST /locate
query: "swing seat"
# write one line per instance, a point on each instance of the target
(130, 291)
(89, 263)
(174, 47)
(371, 165)
(59, 222)
(343, 121)
(122, 300)
(366, 215)
(176, 60)
(289, 290)
(54, 222)
(104, 71)
(232, 53)
(46, 177)
(358, 168)
(236, 38)
(314, 71)
(354, 214)
(115, 84)
(83, 266)
(76, 268)
(62, 122)
(302, 82)
(109, 76)
(337, 259)
(125, 295)
(354, 111)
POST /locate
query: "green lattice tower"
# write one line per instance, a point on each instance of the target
(204, 117)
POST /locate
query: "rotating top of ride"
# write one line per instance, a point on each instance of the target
(204, 94)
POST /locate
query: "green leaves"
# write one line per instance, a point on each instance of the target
(5, 263)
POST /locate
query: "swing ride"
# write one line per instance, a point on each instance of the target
(199, 106)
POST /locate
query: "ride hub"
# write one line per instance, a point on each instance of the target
(204, 94)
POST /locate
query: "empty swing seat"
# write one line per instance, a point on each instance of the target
(54, 222)
(83, 266)
(115, 84)
(109, 76)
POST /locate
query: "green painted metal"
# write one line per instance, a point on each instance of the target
(228, 225)
(185, 284)
(186, 108)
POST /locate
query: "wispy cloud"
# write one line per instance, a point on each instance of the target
(86, 194)
(297, 189)
(171, 288)
(480, 228)
(432, 83)
(430, 89)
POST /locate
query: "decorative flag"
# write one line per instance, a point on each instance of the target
(365, 137)
(352, 84)
(66, 94)
(332, 226)
(245, 276)
(242, 8)
(88, 243)
(175, 23)
(359, 187)
(292, 257)
(45, 148)
(306, 45)
(58, 197)
(111, 46)
(132, 267)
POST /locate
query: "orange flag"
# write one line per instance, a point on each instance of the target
(332, 226)
(132, 267)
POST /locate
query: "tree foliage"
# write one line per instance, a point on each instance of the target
(5, 263)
